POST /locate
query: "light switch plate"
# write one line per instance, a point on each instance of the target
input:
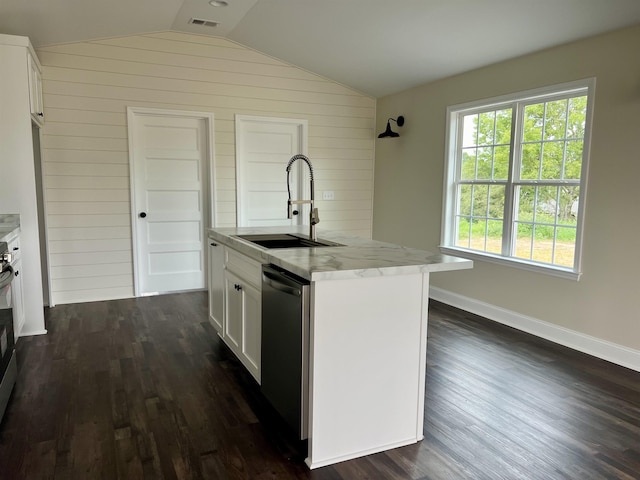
(328, 195)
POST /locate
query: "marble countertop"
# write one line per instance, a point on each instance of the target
(9, 227)
(358, 257)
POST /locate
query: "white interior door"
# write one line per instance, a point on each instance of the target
(264, 146)
(170, 153)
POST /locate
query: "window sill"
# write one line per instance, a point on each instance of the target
(513, 263)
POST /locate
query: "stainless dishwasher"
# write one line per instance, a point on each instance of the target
(285, 346)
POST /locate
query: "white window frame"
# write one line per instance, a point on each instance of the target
(452, 172)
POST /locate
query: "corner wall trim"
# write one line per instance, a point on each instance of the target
(612, 352)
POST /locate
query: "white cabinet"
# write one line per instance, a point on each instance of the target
(35, 90)
(235, 303)
(242, 321)
(216, 285)
(17, 296)
(243, 326)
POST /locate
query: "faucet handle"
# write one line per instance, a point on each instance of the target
(315, 218)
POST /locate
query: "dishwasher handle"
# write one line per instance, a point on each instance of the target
(273, 281)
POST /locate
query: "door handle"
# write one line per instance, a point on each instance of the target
(142, 214)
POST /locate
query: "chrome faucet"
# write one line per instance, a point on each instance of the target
(313, 212)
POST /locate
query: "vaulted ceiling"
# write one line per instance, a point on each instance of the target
(378, 47)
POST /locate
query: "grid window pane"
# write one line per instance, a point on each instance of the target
(523, 240)
(464, 232)
(526, 199)
(530, 162)
(569, 197)
(494, 236)
(478, 234)
(486, 127)
(552, 159)
(546, 224)
(503, 126)
(555, 120)
(480, 200)
(501, 162)
(496, 202)
(470, 132)
(577, 117)
(480, 217)
(485, 163)
(565, 246)
(542, 250)
(546, 204)
(464, 200)
(533, 122)
(573, 160)
(468, 168)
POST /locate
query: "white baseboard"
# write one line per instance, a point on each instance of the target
(612, 352)
(32, 333)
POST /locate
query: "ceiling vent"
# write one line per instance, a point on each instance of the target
(204, 23)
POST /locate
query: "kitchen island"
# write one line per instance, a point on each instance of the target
(367, 333)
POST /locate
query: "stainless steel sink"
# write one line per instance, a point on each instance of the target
(286, 240)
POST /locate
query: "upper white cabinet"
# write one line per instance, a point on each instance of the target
(35, 89)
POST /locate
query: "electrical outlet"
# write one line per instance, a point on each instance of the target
(328, 195)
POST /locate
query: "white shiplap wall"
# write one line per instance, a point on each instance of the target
(87, 88)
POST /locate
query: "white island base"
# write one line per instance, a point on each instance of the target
(368, 345)
(367, 335)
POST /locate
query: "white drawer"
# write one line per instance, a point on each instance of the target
(245, 267)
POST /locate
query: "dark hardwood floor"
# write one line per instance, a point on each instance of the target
(143, 388)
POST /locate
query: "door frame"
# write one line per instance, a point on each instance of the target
(303, 127)
(208, 183)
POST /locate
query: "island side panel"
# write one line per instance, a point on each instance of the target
(367, 364)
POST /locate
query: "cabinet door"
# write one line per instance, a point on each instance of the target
(216, 286)
(17, 298)
(35, 91)
(242, 323)
(251, 329)
(233, 316)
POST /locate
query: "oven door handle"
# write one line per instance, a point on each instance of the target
(6, 277)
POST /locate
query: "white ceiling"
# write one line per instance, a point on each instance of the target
(378, 47)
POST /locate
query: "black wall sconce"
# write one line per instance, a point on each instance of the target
(390, 133)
